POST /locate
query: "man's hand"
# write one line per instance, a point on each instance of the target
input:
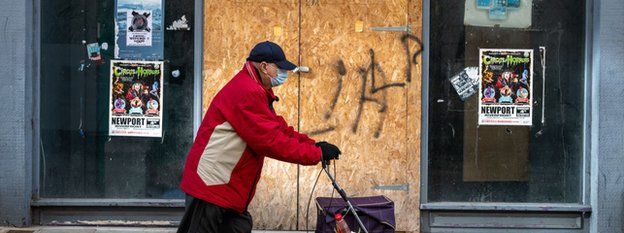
(330, 151)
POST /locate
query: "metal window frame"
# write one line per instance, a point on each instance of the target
(36, 99)
(152, 206)
(593, 71)
(198, 64)
(589, 125)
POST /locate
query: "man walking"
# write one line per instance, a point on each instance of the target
(239, 129)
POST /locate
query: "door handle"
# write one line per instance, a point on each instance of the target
(302, 69)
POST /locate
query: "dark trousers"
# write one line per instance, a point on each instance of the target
(203, 217)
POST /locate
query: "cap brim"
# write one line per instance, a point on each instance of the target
(285, 65)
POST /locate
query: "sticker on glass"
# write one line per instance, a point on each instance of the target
(466, 82)
(139, 33)
(136, 99)
(93, 50)
(505, 89)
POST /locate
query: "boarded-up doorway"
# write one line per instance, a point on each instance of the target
(362, 93)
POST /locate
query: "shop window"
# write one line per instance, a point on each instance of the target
(80, 157)
(506, 101)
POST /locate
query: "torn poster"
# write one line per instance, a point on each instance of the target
(466, 83)
(505, 91)
(139, 31)
(136, 99)
(501, 13)
(180, 24)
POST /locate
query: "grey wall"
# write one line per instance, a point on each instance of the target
(610, 54)
(16, 33)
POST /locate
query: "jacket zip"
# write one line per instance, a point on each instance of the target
(253, 187)
(256, 178)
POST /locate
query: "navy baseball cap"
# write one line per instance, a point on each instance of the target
(272, 53)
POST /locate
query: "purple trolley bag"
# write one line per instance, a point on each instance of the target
(376, 212)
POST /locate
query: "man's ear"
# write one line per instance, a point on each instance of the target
(263, 67)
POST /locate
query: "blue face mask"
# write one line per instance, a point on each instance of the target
(282, 75)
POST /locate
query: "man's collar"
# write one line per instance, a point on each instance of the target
(255, 75)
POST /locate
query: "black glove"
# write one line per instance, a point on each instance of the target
(330, 151)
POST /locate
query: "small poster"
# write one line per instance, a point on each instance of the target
(136, 99)
(505, 90)
(466, 83)
(139, 32)
(93, 50)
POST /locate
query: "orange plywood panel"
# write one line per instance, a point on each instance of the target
(231, 29)
(363, 94)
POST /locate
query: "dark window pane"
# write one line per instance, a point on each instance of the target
(78, 158)
(538, 163)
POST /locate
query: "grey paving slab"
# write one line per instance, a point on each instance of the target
(52, 229)
(66, 230)
(135, 230)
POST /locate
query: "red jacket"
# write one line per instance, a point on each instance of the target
(239, 129)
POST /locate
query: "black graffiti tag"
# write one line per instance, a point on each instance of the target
(375, 94)
(371, 71)
(410, 58)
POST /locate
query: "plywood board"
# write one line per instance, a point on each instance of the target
(380, 137)
(411, 212)
(231, 29)
(359, 96)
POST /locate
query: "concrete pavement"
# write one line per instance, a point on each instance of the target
(49, 229)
